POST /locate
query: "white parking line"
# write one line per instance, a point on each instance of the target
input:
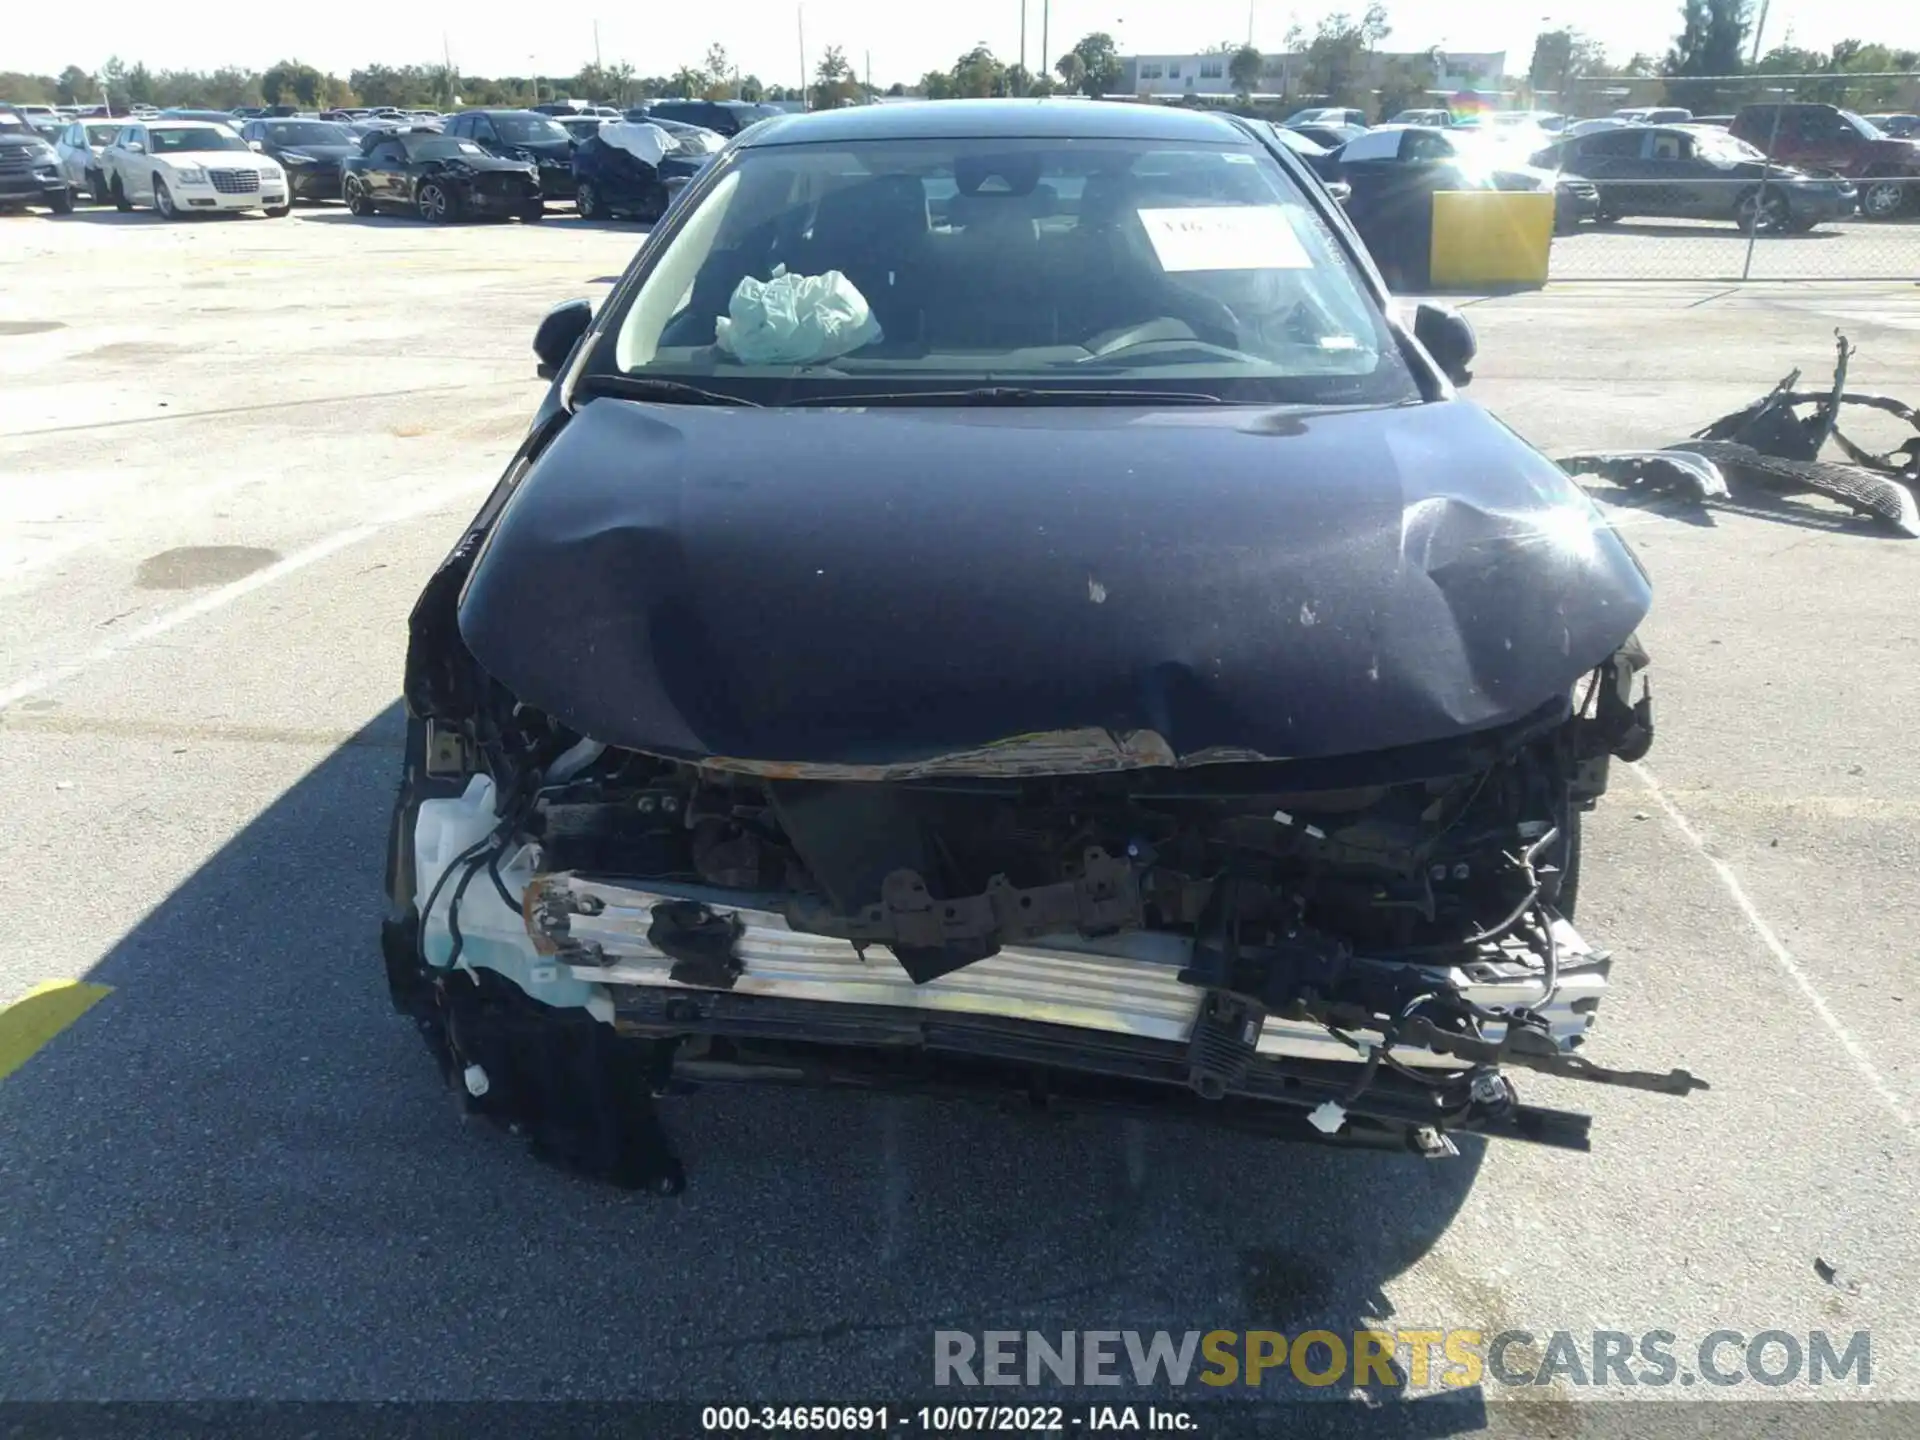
(1857, 1052)
(219, 599)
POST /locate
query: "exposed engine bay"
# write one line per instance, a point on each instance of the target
(1369, 942)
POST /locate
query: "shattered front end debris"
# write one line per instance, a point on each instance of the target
(1770, 446)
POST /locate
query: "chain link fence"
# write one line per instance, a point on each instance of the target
(1752, 177)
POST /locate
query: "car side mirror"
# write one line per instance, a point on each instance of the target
(1448, 337)
(559, 332)
(255, 145)
(136, 148)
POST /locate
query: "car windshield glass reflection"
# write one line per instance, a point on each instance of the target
(944, 262)
(310, 132)
(527, 129)
(186, 141)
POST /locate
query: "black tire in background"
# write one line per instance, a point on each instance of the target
(120, 200)
(62, 203)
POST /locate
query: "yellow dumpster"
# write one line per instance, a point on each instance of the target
(1490, 238)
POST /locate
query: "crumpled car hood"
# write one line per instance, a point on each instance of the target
(790, 589)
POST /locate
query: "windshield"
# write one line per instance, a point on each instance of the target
(101, 134)
(1296, 142)
(1866, 127)
(13, 125)
(307, 132)
(527, 129)
(1717, 147)
(442, 147)
(194, 137)
(952, 264)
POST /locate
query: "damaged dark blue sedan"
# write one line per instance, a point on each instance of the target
(998, 600)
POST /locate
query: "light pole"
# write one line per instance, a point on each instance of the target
(800, 19)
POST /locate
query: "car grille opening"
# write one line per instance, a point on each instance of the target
(235, 182)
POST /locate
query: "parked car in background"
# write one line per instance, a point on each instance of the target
(1826, 137)
(522, 135)
(635, 168)
(30, 172)
(1433, 159)
(438, 177)
(79, 147)
(1594, 126)
(1698, 172)
(1654, 114)
(312, 152)
(723, 117)
(1435, 119)
(1327, 115)
(1322, 161)
(213, 117)
(1900, 125)
(1718, 122)
(180, 167)
(1331, 136)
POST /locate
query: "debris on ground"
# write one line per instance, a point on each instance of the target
(1771, 446)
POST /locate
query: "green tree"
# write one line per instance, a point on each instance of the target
(718, 67)
(1561, 60)
(937, 85)
(1336, 59)
(293, 83)
(1244, 71)
(1406, 84)
(833, 81)
(978, 74)
(752, 90)
(687, 83)
(1100, 64)
(1072, 70)
(75, 87)
(1712, 41)
(29, 89)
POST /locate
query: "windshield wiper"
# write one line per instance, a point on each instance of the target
(1017, 395)
(650, 387)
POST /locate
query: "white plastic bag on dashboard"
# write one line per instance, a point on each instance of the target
(795, 319)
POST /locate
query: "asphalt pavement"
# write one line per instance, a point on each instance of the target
(231, 452)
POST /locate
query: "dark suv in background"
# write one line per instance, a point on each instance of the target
(522, 135)
(728, 117)
(1825, 137)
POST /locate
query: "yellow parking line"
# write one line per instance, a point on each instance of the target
(39, 1015)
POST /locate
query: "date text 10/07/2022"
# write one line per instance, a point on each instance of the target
(943, 1419)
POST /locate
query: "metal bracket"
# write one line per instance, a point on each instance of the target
(1104, 900)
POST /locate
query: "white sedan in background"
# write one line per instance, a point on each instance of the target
(182, 166)
(79, 147)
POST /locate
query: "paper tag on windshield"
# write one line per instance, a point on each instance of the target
(1225, 237)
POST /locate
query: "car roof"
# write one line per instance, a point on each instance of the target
(976, 119)
(175, 122)
(495, 110)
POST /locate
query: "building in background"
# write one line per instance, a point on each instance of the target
(1171, 77)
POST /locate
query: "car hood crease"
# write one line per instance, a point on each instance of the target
(891, 586)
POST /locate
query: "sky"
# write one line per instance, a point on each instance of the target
(899, 39)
